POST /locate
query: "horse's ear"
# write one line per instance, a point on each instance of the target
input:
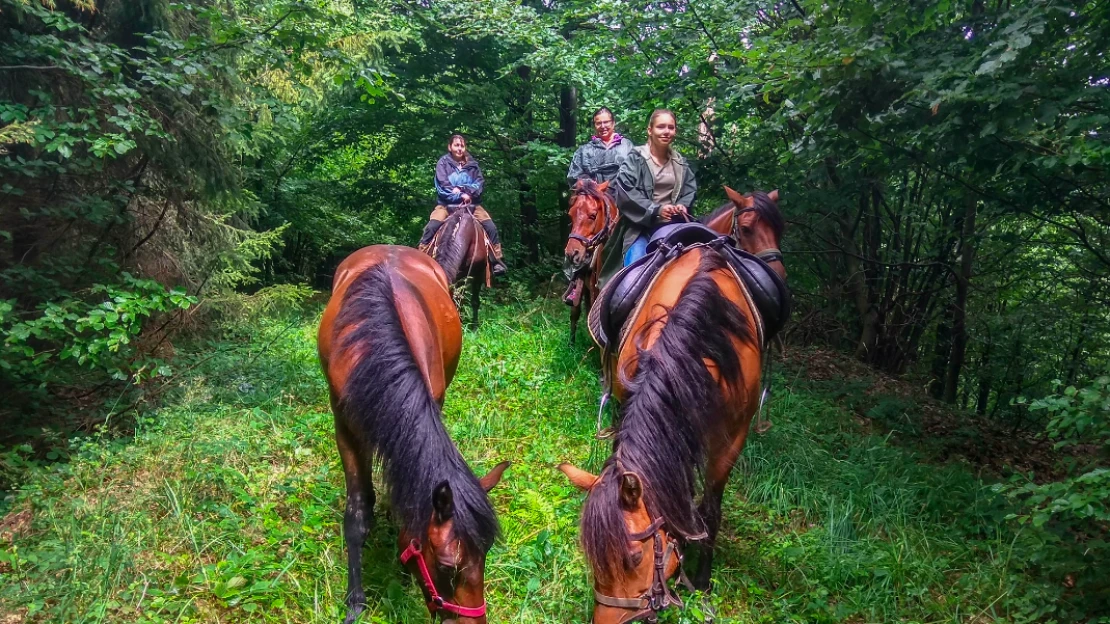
(631, 491)
(604, 186)
(493, 477)
(774, 195)
(580, 478)
(738, 199)
(443, 503)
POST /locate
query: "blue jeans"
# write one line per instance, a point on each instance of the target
(637, 250)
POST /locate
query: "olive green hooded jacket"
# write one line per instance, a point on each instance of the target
(639, 212)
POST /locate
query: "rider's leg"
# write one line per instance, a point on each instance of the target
(439, 215)
(636, 250)
(494, 238)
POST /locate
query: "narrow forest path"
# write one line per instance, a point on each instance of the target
(227, 504)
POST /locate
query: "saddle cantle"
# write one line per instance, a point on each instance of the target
(619, 298)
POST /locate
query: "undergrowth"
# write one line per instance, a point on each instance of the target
(226, 505)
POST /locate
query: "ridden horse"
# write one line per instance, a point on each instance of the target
(460, 247)
(389, 344)
(688, 377)
(593, 215)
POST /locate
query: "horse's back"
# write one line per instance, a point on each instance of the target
(460, 245)
(663, 295)
(424, 306)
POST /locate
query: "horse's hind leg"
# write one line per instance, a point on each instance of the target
(358, 516)
(475, 299)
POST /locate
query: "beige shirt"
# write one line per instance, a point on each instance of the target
(664, 180)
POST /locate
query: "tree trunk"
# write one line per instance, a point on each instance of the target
(959, 319)
(568, 138)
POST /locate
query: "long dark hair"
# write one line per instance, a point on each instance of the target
(387, 403)
(672, 410)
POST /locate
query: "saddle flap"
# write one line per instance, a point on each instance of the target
(769, 291)
(616, 301)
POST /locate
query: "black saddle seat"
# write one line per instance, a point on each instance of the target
(681, 234)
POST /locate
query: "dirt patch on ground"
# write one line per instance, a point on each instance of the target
(15, 524)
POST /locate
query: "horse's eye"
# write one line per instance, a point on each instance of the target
(593, 216)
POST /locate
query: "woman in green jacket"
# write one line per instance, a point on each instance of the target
(654, 186)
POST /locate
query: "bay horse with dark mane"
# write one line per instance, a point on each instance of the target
(460, 247)
(593, 215)
(389, 344)
(687, 373)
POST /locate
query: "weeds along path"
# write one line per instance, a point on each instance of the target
(226, 506)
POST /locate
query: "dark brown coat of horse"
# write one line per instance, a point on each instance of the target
(389, 344)
(688, 377)
(460, 248)
(593, 214)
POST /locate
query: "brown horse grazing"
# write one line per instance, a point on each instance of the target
(688, 376)
(460, 247)
(593, 214)
(389, 343)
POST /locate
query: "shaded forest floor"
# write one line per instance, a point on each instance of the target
(226, 505)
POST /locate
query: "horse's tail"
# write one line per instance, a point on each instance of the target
(387, 403)
(454, 248)
(675, 404)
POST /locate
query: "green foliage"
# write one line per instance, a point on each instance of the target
(228, 503)
(95, 336)
(1069, 516)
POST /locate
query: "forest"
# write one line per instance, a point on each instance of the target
(180, 180)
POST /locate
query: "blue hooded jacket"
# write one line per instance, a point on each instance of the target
(466, 176)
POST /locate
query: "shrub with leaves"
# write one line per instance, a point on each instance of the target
(1070, 517)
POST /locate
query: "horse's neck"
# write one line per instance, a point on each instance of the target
(723, 223)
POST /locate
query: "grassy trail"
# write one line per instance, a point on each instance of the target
(227, 504)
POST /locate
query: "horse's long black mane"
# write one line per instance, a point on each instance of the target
(672, 409)
(388, 404)
(452, 248)
(765, 207)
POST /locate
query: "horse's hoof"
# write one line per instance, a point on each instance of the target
(353, 614)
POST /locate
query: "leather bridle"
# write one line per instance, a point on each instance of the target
(660, 595)
(600, 237)
(767, 255)
(436, 601)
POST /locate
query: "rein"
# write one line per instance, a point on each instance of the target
(436, 602)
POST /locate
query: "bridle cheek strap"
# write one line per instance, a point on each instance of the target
(437, 603)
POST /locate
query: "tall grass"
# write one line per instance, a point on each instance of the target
(226, 506)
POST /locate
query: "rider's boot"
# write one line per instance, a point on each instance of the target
(429, 234)
(498, 261)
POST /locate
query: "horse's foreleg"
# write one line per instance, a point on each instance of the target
(358, 516)
(720, 466)
(575, 313)
(710, 510)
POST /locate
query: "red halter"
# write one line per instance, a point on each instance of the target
(437, 603)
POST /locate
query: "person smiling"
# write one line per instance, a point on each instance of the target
(459, 184)
(654, 186)
(600, 159)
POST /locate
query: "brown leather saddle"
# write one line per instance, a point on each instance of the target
(621, 294)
